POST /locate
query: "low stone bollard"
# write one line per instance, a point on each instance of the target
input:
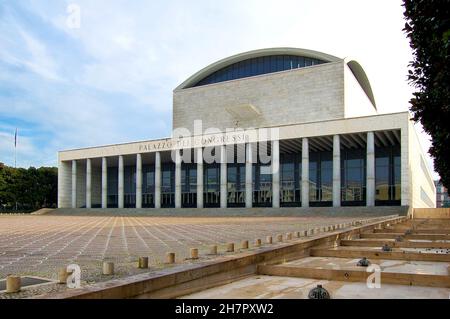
(13, 284)
(63, 274)
(289, 236)
(143, 262)
(170, 258)
(108, 268)
(213, 250)
(230, 247)
(279, 238)
(311, 232)
(244, 244)
(269, 239)
(297, 234)
(194, 253)
(305, 233)
(258, 242)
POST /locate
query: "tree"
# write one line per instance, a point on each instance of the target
(31, 188)
(428, 28)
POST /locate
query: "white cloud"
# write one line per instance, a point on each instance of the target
(40, 61)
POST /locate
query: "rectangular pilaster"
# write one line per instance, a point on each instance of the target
(248, 176)
(64, 184)
(120, 179)
(370, 182)
(138, 181)
(336, 171)
(305, 172)
(88, 183)
(104, 182)
(157, 180)
(223, 177)
(276, 174)
(199, 177)
(177, 179)
(74, 184)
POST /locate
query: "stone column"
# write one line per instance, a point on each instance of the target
(177, 179)
(88, 183)
(157, 180)
(406, 150)
(74, 184)
(336, 171)
(199, 177)
(248, 176)
(120, 199)
(104, 182)
(276, 174)
(370, 175)
(138, 180)
(305, 172)
(223, 177)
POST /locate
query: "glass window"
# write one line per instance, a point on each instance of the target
(129, 177)
(167, 178)
(112, 188)
(287, 63)
(288, 182)
(211, 192)
(236, 185)
(353, 176)
(320, 178)
(314, 184)
(262, 185)
(280, 63)
(326, 176)
(255, 66)
(388, 175)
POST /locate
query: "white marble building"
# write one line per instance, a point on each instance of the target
(313, 115)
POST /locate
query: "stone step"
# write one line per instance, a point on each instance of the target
(256, 211)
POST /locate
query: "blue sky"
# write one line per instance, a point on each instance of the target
(111, 79)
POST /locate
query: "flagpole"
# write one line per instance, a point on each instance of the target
(15, 149)
(15, 157)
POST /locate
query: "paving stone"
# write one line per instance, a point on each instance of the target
(40, 245)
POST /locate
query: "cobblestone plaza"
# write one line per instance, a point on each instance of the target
(40, 245)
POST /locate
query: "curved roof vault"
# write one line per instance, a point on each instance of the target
(354, 66)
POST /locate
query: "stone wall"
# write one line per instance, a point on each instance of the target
(303, 95)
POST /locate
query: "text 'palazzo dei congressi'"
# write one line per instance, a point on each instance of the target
(279, 127)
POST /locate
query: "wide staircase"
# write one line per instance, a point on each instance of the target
(227, 212)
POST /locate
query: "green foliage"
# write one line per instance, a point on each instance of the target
(428, 28)
(31, 188)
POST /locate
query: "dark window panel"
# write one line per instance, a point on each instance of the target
(257, 66)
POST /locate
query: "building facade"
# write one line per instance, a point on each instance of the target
(442, 197)
(279, 127)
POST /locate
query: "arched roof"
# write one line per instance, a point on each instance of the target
(354, 66)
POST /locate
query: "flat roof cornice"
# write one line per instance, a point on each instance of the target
(288, 131)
